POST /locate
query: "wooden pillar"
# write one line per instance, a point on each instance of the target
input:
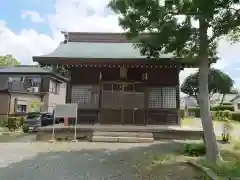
(146, 94)
(69, 89)
(178, 100)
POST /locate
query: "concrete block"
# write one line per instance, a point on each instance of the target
(104, 139)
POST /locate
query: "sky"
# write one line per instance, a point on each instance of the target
(32, 27)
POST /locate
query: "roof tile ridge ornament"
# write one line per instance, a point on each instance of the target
(66, 37)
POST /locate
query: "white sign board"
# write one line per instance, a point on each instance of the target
(65, 110)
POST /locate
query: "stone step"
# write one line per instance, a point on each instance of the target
(123, 134)
(122, 139)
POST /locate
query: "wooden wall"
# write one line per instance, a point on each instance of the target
(156, 77)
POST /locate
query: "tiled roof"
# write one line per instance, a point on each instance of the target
(98, 50)
(25, 69)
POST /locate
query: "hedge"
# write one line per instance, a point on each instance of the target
(196, 112)
(235, 116)
(222, 108)
(227, 104)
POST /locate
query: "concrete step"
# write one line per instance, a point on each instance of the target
(135, 140)
(122, 139)
(123, 134)
(104, 139)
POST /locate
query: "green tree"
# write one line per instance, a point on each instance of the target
(181, 27)
(218, 82)
(8, 61)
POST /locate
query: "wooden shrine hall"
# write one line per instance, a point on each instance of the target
(113, 84)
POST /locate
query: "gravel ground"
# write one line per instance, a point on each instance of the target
(76, 161)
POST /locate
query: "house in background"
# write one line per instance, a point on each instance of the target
(217, 98)
(236, 103)
(190, 102)
(30, 88)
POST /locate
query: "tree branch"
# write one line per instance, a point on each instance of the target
(228, 26)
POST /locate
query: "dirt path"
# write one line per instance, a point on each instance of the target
(79, 161)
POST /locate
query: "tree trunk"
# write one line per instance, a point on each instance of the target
(212, 149)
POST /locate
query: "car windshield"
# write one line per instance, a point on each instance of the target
(33, 115)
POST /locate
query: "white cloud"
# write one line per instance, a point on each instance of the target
(33, 15)
(80, 15)
(83, 15)
(24, 44)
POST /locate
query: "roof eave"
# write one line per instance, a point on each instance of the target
(45, 60)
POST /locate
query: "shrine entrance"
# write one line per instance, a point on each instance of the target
(122, 103)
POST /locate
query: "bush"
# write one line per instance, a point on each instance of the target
(3, 123)
(214, 115)
(14, 123)
(195, 111)
(227, 104)
(223, 115)
(195, 150)
(222, 108)
(235, 116)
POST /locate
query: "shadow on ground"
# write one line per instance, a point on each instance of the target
(104, 163)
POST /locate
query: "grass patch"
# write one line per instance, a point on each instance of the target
(170, 166)
(229, 167)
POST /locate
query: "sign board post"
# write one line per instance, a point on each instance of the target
(65, 111)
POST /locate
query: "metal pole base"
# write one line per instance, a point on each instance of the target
(52, 140)
(74, 140)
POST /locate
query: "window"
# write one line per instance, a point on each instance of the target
(34, 81)
(169, 97)
(54, 87)
(164, 97)
(154, 98)
(80, 94)
(21, 108)
(57, 88)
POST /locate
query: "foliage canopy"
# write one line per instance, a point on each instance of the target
(8, 61)
(218, 82)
